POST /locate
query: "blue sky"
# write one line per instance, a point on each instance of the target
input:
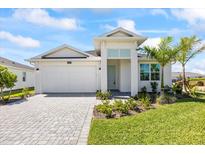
(25, 33)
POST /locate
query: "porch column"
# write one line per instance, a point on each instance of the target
(103, 67)
(134, 70)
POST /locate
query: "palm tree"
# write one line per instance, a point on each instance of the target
(164, 53)
(189, 47)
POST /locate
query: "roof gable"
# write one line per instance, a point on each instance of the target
(120, 32)
(63, 51)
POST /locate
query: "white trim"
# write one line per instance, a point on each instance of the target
(17, 68)
(58, 48)
(150, 63)
(120, 29)
(47, 60)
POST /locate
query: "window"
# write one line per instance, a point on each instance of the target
(24, 77)
(149, 72)
(155, 72)
(118, 53)
(124, 53)
(144, 72)
(112, 53)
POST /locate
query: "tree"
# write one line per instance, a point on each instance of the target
(7, 80)
(164, 53)
(189, 47)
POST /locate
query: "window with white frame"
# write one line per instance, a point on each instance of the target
(149, 72)
(155, 72)
(118, 53)
(24, 77)
(144, 72)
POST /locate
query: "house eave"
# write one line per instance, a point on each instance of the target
(64, 59)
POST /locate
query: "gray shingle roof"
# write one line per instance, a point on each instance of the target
(7, 62)
(93, 52)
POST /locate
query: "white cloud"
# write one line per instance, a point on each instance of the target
(153, 31)
(127, 24)
(108, 27)
(194, 17)
(159, 12)
(153, 42)
(42, 17)
(190, 15)
(19, 40)
(130, 25)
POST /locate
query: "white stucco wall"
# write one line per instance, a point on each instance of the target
(19, 72)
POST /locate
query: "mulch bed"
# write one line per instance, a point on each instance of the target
(99, 115)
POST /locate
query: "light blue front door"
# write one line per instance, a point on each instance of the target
(111, 78)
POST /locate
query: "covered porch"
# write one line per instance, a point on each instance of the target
(119, 75)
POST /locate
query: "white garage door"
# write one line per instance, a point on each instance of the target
(64, 79)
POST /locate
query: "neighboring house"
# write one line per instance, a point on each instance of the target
(176, 75)
(115, 64)
(25, 74)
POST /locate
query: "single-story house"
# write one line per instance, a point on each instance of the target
(25, 74)
(114, 64)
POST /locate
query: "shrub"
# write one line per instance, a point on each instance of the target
(153, 96)
(98, 94)
(177, 88)
(105, 108)
(193, 92)
(145, 101)
(5, 99)
(167, 89)
(103, 95)
(166, 99)
(200, 83)
(25, 93)
(131, 103)
(121, 107)
(135, 97)
(7, 80)
(144, 90)
(154, 86)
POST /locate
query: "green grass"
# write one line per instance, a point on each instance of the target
(18, 93)
(196, 79)
(179, 123)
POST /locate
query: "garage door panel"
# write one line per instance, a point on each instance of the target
(69, 79)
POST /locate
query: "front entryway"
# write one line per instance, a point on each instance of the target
(111, 77)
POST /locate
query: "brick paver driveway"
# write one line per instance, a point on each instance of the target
(47, 119)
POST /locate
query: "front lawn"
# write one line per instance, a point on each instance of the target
(16, 95)
(179, 123)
